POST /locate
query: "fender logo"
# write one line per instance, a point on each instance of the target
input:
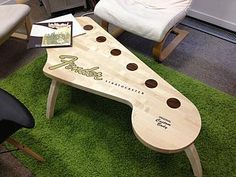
(68, 61)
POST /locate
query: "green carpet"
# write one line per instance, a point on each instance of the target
(92, 136)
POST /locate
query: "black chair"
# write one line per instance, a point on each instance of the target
(14, 116)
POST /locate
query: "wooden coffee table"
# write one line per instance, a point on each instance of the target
(162, 118)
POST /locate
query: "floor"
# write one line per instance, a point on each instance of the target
(201, 56)
(11, 167)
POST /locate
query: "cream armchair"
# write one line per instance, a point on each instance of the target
(12, 17)
(151, 19)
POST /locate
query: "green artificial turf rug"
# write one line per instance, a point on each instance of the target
(92, 136)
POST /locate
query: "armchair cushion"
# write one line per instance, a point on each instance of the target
(11, 16)
(151, 19)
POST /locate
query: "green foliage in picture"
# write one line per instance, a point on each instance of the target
(60, 37)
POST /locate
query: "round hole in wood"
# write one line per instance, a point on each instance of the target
(132, 66)
(151, 83)
(115, 52)
(88, 27)
(173, 103)
(101, 39)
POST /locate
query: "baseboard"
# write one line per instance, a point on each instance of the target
(212, 19)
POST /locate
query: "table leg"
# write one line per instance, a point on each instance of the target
(194, 159)
(52, 97)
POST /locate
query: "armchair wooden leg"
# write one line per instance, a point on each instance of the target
(117, 32)
(160, 53)
(104, 25)
(21, 1)
(157, 49)
(19, 36)
(28, 25)
(25, 149)
(194, 159)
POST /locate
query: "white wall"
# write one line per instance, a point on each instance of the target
(2, 2)
(218, 12)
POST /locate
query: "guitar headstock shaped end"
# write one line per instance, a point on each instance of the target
(168, 127)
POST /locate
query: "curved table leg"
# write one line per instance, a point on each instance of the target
(52, 97)
(194, 159)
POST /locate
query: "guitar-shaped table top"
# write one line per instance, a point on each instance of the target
(162, 118)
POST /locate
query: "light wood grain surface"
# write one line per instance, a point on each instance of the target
(90, 66)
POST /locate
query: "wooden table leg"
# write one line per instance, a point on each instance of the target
(52, 97)
(194, 159)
